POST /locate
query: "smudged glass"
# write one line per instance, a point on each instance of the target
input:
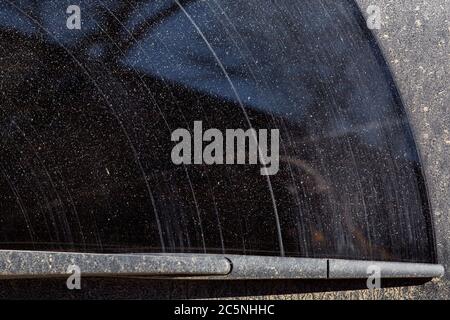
(87, 115)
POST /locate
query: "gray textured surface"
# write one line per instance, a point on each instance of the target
(415, 39)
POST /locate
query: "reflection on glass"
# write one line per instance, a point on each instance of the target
(87, 116)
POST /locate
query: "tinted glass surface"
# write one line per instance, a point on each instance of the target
(86, 118)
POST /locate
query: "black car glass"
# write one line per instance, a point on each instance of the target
(88, 115)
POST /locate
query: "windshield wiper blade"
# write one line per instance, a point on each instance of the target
(17, 264)
(41, 264)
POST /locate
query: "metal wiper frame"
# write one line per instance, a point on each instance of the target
(43, 264)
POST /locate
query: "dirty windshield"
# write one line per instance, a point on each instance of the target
(240, 127)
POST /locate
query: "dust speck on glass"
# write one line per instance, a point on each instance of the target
(91, 96)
